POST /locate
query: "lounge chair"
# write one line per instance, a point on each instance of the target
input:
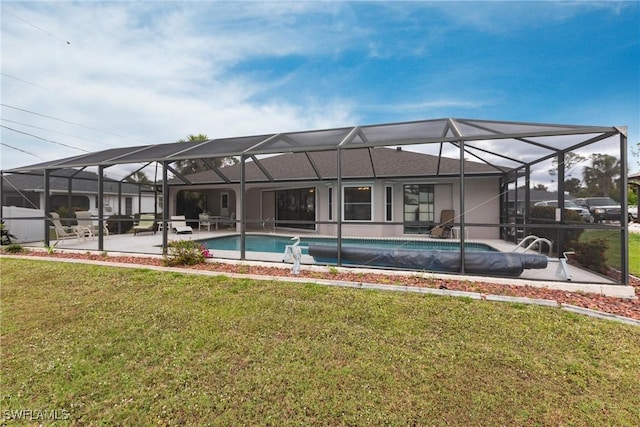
(179, 225)
(147, 222)
(63, 232)
(443, 229)
(86, 223)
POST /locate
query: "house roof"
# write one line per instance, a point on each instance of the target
(479, 136)
(83, 182)
(359, 163)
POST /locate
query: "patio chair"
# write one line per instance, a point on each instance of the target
(204, 220)
(179, 225)
(147, 223)
(86, 223)
(62, 232)
(443, 229)
(231, 222)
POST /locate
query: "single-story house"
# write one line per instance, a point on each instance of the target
(386, 192)
(378, 180)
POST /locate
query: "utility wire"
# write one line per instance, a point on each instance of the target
(47, 140)
(19, 149)
(25, 81)
(59, 133)
(70, 122)
(37, 28)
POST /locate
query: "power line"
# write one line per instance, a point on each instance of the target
(25, 81)
(37, 28)
(71, 123)
(59, 133)
(47, 140)
(19, 149)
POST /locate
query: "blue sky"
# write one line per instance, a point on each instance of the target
(151, 72)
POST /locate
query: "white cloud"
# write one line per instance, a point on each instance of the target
(153, 72)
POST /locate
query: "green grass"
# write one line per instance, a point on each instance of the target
(613, 253)
(134, 347)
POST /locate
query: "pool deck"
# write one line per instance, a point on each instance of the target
(551, 277)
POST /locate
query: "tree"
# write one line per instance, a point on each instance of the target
(571, 160)
(572, 186)
(190, 166)
(138, 178)
(600, 178)
(540, 187)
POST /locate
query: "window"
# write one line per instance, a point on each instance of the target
(388, 203)
(128, 206)
(296, 208)
(418, 208)
(330, 203)
(357, 203)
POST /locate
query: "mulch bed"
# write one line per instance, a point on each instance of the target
(620, 306)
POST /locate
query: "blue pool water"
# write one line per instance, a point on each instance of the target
(277, 244)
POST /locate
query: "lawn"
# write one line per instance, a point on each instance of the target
(109, 346)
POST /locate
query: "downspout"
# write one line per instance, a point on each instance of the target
(47, 207)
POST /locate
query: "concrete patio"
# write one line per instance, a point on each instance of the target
(149, 244)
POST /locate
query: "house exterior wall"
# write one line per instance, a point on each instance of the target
(481, 204)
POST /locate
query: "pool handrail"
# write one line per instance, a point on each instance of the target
(536, 240)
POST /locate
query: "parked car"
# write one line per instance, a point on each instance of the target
(601, 208)
(569, 205)
(633, 213)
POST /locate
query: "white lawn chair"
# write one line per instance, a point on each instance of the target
(63, 232)
(179, 225)
(86, 223)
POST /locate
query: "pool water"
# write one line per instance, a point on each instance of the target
(277, 244)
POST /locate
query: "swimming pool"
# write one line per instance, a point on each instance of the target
(277, 244)
(422, 255)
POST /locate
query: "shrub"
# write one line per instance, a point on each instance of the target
(184, 252)
(67, 217)
(13, 248)
(546, 214)
(125, 221)
(591, 254)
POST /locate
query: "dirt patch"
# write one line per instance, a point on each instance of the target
(619, 306)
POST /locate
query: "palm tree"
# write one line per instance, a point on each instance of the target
(186, 167)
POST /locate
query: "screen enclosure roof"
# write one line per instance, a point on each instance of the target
(484, 140)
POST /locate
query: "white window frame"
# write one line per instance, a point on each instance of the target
(372, 209)
(388, 201)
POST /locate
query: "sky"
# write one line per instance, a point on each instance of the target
(88, 76)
